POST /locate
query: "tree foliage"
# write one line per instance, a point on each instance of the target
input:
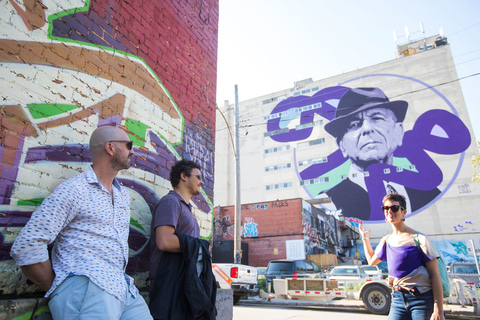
(476, 164)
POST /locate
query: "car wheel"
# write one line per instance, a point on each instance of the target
(377, 299)
(236, 299)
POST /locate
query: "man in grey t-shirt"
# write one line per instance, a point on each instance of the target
(173, 214)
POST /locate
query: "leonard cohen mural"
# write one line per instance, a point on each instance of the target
(379, 151)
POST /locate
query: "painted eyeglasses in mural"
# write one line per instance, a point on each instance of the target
(377, 154)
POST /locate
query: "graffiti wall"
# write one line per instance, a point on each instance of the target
(67, 67)
(321, 231)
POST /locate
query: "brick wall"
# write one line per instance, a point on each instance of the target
(266, 225)
(148, 67)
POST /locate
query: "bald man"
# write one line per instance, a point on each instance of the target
(88, 216)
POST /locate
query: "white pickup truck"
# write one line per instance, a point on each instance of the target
(240, 278)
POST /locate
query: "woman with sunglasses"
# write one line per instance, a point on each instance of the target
(412, 270)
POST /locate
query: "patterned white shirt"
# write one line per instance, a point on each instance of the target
(90, 233)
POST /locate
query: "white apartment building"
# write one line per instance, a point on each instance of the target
(286, 152)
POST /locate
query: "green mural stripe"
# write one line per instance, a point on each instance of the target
(403, 163)
(28, 315)
(334, 178)
(139, 129)
(30, 202)
(25, 316)
(45, 110)
(135, 223)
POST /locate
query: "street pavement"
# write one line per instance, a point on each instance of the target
(283, 307)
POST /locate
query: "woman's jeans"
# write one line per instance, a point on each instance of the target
(410, 306)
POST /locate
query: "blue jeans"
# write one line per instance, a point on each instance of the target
(408, 306)
(79, 298)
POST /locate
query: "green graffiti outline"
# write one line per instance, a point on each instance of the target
(169, 145)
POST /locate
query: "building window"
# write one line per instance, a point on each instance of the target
(354, 175)
(312, 161)
(386, 171)
(315, 89)
(274, 132)
(279, 167)
(314, 181)
(279, 186)
(270, 100)
(344, 176)
(366, 174)
(305, 91)
(278, 149)
(275, 115)
(412, 167)
(399, 169)
(296, 94)
(311, 107)
(311, 143)
(309, 125)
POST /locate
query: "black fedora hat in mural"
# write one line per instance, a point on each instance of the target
(360, 99)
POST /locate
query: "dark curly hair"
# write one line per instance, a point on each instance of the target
(182, 166)
(396, 197)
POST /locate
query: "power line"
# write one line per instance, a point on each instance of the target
(464, 29)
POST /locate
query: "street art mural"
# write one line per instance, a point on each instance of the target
(376, 152)
(65, 69)
(223, 227)
(250, 228)
(320, 234)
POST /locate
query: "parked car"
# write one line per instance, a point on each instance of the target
(373, 271)
(261, 272)
(345, 273)
(240, 278)
(464, 270)
(281, 269)
(329, 270)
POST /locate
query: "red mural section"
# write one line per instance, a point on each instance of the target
(177, 39)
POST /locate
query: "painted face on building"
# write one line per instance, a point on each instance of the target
(371, 136)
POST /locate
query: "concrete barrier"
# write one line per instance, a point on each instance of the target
(224, 304)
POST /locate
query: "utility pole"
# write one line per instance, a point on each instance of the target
(237, 255)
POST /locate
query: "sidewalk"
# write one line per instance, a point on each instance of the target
(452, 311)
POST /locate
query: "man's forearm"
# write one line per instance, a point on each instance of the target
(167, 240)
(40, 273)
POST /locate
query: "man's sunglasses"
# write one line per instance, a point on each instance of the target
(393, 208)
(128, 142)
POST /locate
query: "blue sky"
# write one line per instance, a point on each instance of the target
(265, 46)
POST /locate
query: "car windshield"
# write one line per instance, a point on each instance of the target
(347, 271)
(261, 271)
(279, 266)
(465, 269)
(369, 268)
